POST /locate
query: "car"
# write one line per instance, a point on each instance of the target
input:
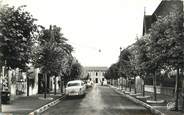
(75, 88)
(89, 84)
(105, 82)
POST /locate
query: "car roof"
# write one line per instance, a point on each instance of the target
(75, 81)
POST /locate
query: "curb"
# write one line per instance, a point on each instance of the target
(47, 106)
(153, 110)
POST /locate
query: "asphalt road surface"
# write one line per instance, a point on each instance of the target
(99, 100)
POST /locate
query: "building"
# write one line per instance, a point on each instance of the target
(19, 83)
(164, 8)
(95, 74)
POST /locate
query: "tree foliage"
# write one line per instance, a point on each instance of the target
(124, 63)
(112, 72)
(167, 41)
(167, 45)
(17, 34)
(52, 53)
(143, 61)
(76, 70)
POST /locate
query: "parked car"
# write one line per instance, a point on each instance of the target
(75, 88)
(89, 84)
(105, 82)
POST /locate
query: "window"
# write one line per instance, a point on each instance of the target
(96, 73)
(102, 79)
(82, 84)
(96, 80)
(73, 84)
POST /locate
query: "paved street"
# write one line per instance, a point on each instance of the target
(100, 100)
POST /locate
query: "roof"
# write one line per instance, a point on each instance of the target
(163, 9)
(96, 68)
(167, 6)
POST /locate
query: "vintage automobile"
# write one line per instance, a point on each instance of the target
(75, 88)
(89, 84)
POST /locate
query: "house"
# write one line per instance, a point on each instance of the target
(16, 82)
(96, 74)
(163, 9)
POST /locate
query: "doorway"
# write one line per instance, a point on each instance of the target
(96, 80)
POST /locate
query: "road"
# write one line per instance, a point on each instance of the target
(100, 100)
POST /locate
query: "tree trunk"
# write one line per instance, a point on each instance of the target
(1, 89)
(45, 86)
(126, 84)
(177, 89)
(0, 103)
(130, 88)
(154, 87)
(183, 104)
(135, 91)
(61, 85)
(54, 85)
(122, 84)
(27, 85)
(143, 88)
(182, 93)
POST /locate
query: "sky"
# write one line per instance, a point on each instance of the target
(95, 28)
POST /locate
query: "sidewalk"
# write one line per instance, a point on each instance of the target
(25, 105)
(163, 108)
(156, 109)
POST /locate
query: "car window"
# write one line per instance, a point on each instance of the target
(73, 84)
(82, 83)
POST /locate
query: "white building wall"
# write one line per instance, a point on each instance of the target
(14, 83)
(97, 75)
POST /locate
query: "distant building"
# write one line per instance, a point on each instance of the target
(96, 74)
(164, 8)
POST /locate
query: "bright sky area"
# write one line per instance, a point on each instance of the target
(95, 28)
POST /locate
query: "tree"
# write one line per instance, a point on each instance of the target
(17, 34)
(112, 72)
(133, 64)
(142, 58)
(167, 44)
(124, 64)
(52, 52)
(76, 71)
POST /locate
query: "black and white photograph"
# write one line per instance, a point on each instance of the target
(91, 57)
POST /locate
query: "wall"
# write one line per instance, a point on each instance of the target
(17, 82)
